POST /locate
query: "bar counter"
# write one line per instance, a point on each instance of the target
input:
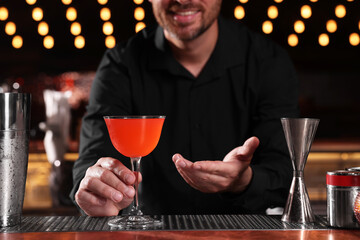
(182, 235)
(176, 227)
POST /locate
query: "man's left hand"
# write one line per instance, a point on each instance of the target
(232, 174)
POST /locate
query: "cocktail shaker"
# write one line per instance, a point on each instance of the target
(14, 150)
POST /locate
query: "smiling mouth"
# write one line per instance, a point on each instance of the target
(185, 16)
(185, 13)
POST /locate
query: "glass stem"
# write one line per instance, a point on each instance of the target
(135, 167)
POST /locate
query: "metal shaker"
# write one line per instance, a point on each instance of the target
(342, 188)
(14, 151)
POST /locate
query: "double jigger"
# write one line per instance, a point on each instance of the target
(299, 135)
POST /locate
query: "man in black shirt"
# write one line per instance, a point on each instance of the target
(218, 84)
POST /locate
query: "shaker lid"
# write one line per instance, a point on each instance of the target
(343, 178)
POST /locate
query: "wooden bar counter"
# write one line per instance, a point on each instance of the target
(176, 227)
(183, 235)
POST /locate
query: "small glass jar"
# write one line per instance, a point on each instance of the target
(343, 187)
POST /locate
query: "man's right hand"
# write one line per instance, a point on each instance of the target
(106, 188)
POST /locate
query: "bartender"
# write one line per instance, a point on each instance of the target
(223, 89)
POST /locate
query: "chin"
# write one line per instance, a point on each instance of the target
(187, 35)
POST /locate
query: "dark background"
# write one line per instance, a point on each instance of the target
(329, 76)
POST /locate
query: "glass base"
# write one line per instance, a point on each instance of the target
(135, 222)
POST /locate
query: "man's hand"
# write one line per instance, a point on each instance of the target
(106, 188)
(233, 174)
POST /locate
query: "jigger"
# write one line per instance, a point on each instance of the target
(299, 134)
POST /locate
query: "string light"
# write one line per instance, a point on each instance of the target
(293, 40)
(75, 28)
(273, 12)
(324, 39)
(267, 27)
(71, 14)
(31, 2)
(340, 11)
(305, 11)
(239, 12)
(4, 13)
(299, 26)
(43, 28)
(66, 2)
(79, 42)
(354, 39)
(37, 14)
(110, 42)
(10, 28)
(331, 26)
(108, 28)
(17, 42)
(16, 85)
(48, 42)
(105, 14)
(139, 14)
(102, 2)
(139, 26)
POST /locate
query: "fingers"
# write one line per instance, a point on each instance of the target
(213, 167)
(107, 182)
(181, 162)
(243, 153)
(83, 197)
(101, 189)
(233, 173)
(115, 166)
(199, 175)
(219, 168)
(94, 205)
(109, 178)
(249, 147)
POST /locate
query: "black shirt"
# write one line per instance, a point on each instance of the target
(246, 86)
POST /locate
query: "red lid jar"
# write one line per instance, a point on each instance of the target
(343, 187)
(343, 178)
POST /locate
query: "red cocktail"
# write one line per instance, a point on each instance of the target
(134, 137)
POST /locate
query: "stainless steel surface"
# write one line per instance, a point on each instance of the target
(353, 169)
(299, 135)
(340, 202)
(170, 223)
(15, 111)
(14, 149)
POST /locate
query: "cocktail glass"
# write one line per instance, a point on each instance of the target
(134, 137)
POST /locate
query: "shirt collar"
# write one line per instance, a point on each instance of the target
(229, 51)
(161, 58)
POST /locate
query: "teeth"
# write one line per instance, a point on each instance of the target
(186, 13)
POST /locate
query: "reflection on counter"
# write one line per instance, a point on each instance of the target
(39, 196)
(37, 191)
